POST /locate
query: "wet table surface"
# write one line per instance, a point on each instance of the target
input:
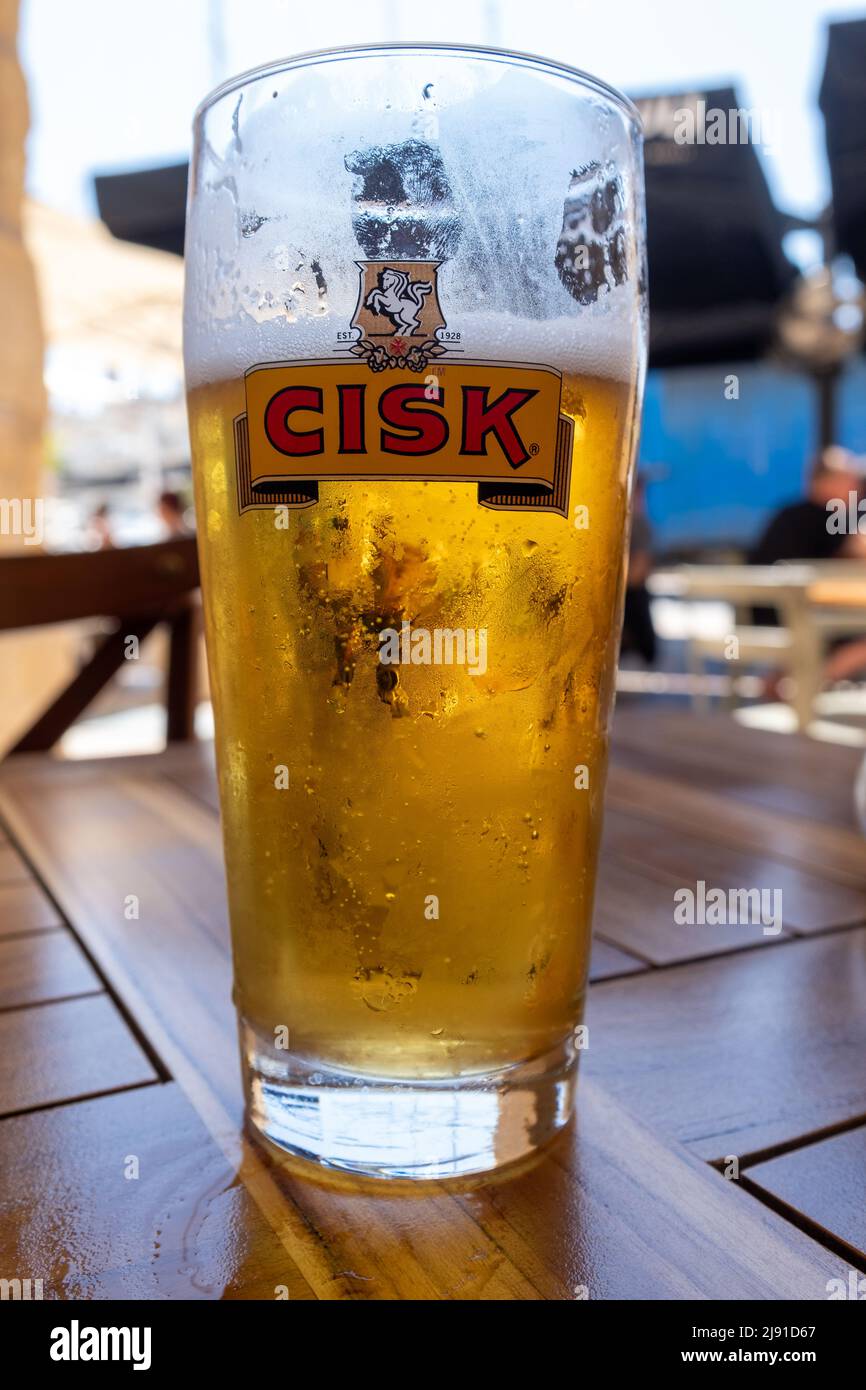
(719, 1149)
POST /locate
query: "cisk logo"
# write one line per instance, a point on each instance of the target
(362, 417)
(398, 314)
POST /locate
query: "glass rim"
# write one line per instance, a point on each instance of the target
(323, 55)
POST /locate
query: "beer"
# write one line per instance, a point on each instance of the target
(413, 584)
(413, 780)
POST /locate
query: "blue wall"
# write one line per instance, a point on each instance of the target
(717, 468)
(852, 409)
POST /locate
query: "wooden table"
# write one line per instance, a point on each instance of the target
(124, 1170)
(840, 593)
(816, 601)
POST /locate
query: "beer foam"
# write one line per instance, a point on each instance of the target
(499, 190)
(601, 340)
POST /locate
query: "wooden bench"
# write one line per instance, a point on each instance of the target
(137, 587)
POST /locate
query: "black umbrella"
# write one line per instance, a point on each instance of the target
(716, 266)
(147, 207)
(842, 100)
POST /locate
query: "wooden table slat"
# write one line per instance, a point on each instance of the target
(609, 960)
(826, 850)
(739, 1054)
(787, 773)
(13, 868)
(810, 902)
(65, 1051)
(89, 1227)
(43, 966)
(25, 908)
(635, 910)
(633, 1217)
(823, 1182)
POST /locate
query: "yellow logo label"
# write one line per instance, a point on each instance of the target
(395, 410)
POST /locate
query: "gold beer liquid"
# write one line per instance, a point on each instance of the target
(416, 903)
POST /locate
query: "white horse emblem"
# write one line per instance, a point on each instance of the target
(399, 298)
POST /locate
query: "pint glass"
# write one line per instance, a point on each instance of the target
(415, 344)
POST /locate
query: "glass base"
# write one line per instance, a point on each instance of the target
(407, 1129)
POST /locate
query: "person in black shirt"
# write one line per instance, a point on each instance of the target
(800, 531)
(805, 531)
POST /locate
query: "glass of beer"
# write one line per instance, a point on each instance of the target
(415, 347)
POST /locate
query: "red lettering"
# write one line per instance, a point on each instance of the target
(351, 419)
(428, 430)
(297, 443)
(481, 418)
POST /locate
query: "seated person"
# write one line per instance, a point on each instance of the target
(173, 515)
(802, 531)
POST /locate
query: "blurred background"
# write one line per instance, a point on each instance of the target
(741, 593)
